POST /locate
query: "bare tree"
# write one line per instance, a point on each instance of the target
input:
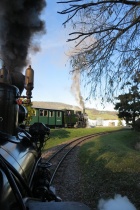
(112, 56)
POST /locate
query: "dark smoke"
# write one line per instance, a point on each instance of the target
(19, 22)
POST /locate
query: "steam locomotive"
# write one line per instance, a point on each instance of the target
(24, 175)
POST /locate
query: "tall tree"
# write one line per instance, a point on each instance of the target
(106, 35)
(129, 106)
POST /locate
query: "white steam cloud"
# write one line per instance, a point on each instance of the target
(118, 203)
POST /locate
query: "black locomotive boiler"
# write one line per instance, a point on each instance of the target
(24, 175)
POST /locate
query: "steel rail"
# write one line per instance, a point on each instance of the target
(83, 137)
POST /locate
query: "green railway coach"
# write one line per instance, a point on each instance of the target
(58, 118)
(50, 117)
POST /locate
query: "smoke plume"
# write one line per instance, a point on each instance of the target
(118, 203)
(19, 22)
(75, 88)
(73, 53)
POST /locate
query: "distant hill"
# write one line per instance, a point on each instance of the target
(92, 113)
(53, 105)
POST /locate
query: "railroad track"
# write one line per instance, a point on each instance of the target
(57, 158)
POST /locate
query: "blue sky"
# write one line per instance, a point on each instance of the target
(53, 81)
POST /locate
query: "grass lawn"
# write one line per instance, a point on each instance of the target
(59, 136)
(111, 165)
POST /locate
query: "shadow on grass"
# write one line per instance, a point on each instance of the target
(100, 181)
(60, 134)
(57, 137)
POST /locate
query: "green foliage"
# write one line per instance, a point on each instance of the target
(120, 122)
(106, 34)
(129, 105)
(30, 111)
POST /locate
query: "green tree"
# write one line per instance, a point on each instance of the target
(106, 35)
(120, 122)
(129, 106)
(30, 111)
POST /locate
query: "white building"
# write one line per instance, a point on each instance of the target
(101, 122)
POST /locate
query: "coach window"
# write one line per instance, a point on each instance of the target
(69, 112)
(58, 114)
(51, 113)
(46, 113)
(41, 112)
